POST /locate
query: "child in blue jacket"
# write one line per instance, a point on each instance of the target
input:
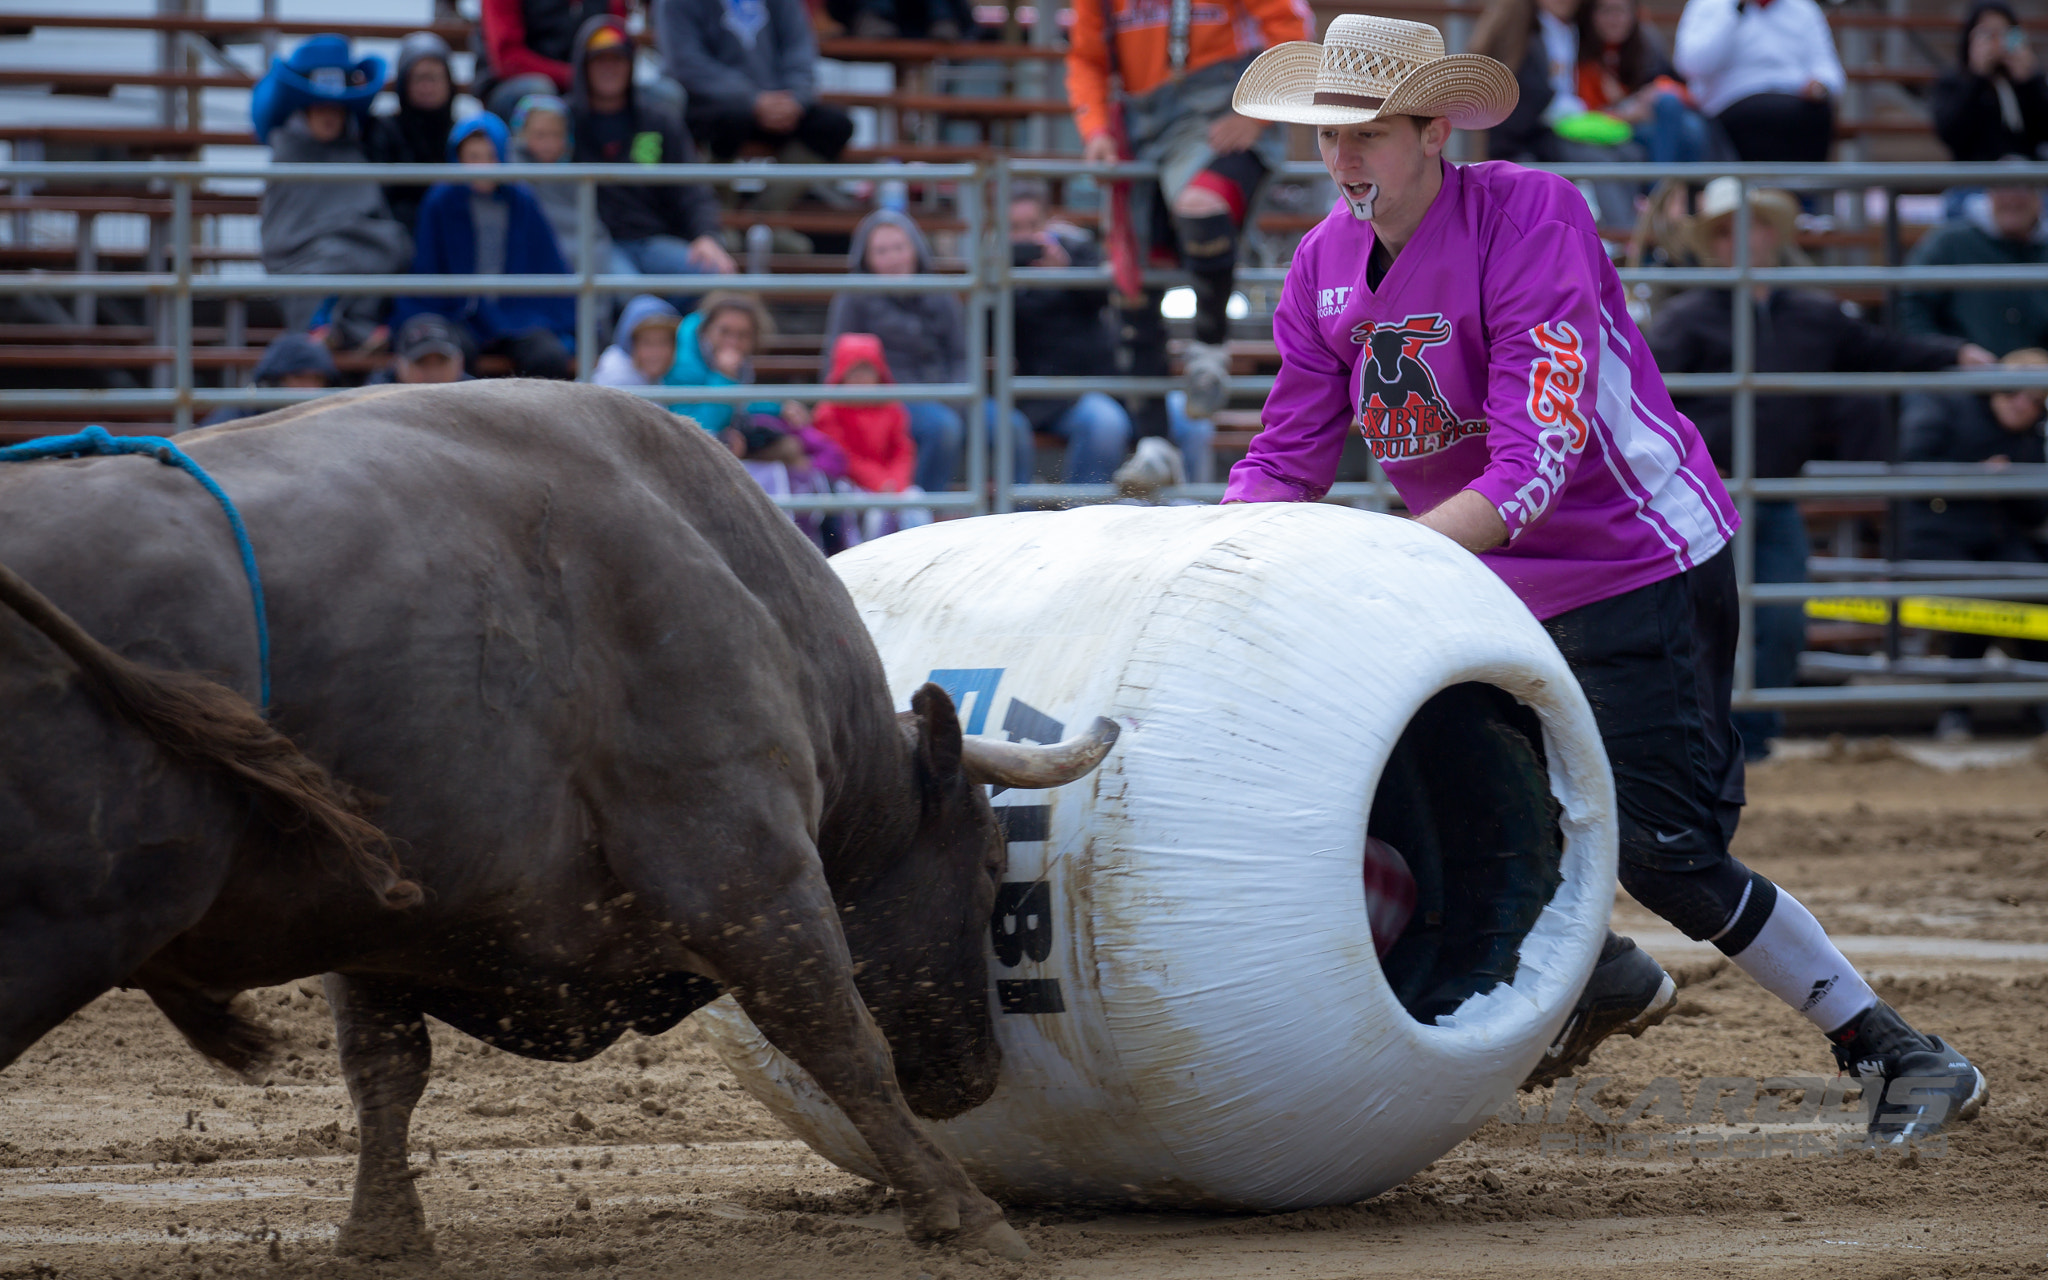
(494, 228)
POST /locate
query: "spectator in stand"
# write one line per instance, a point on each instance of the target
(1541, 41)
(880, 457)
(643, 348)
(924, 336)
(875, 437)
(1996, 431)
(658, 230)
(540, 135)
(899, 19)
(715, 347)
(2000, 320)
(1994, 102)
(1514, 34)
(311, 109)
(1766, 71)
(750, 68)
(1178, 66)
(782, 451)
(291, 360)
(1063, 333)
(1623, 73)
(417, 133)
(487, 227)
(430, 349)
(529, 47)
(1796, 332)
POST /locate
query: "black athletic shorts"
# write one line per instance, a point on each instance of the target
(1657, 663)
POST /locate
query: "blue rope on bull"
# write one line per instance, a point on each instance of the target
(98, 441)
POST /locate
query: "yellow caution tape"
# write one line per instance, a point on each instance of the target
(1850, 609)
(1941, 613)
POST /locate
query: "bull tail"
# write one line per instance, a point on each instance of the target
(222, 1030)
(213, 726)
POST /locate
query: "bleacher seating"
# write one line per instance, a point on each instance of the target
(227, 350)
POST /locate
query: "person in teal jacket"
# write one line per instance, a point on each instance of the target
(715, 348)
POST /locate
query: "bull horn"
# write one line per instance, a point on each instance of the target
(1030, 767)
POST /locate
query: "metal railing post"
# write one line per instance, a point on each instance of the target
(586, 270)
(996, 252)
(85, 308)
(1742, 313)
(181, 300)
(978, 311)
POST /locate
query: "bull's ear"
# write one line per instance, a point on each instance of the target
(938, 732)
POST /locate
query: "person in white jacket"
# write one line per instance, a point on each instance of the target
(1766, 71)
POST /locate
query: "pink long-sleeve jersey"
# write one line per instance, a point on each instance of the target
(1497, 355)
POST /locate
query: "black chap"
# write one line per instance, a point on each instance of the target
(1657, 664)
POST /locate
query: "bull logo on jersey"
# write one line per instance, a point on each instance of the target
(1401, 412)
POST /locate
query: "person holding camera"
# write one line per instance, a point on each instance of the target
(1063, 333)
(1994, 103)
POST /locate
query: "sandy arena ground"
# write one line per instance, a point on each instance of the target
(122, 1155)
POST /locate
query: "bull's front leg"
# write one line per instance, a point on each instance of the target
(781, 953)
(384, 1057)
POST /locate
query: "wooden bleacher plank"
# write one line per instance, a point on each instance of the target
(824, 221)
(147, 206)
(116, 334)
(1664, 16)
(953, 105)
(455, 33)
(131, 139)
(106, 81)
(1920, 76)
(65, 256)
(852, 49)
(126, 357)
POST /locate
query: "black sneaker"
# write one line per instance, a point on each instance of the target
(1879, 1048)
(1627, 992)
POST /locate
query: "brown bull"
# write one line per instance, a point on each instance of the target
(626, 734)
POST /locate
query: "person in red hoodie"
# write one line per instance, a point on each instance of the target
(528, 46)
(875, 434)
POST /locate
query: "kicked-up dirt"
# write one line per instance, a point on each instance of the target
(122, 1155)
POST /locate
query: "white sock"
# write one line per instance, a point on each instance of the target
(1792, 958)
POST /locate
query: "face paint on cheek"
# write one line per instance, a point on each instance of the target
(1362, 209)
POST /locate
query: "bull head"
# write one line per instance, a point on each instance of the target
(920, 929)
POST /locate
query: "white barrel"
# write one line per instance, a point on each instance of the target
(1182, 973)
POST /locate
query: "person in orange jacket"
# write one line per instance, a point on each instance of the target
(1178, 62)
(875, 435)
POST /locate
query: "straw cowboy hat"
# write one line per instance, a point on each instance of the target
(1718, 202)
(1369, 67)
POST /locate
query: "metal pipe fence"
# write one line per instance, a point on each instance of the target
(988, 285)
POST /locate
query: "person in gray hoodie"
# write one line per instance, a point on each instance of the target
(924, 336)
(311, 109)
(540, 135)
(750, 69)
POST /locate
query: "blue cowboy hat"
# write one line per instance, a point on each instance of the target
(319, 70)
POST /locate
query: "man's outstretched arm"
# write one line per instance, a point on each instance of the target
(1467, 518)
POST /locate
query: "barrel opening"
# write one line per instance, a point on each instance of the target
(1465, 799)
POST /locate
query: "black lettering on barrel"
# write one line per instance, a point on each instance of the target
(1022, 922)
(1030, 995)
